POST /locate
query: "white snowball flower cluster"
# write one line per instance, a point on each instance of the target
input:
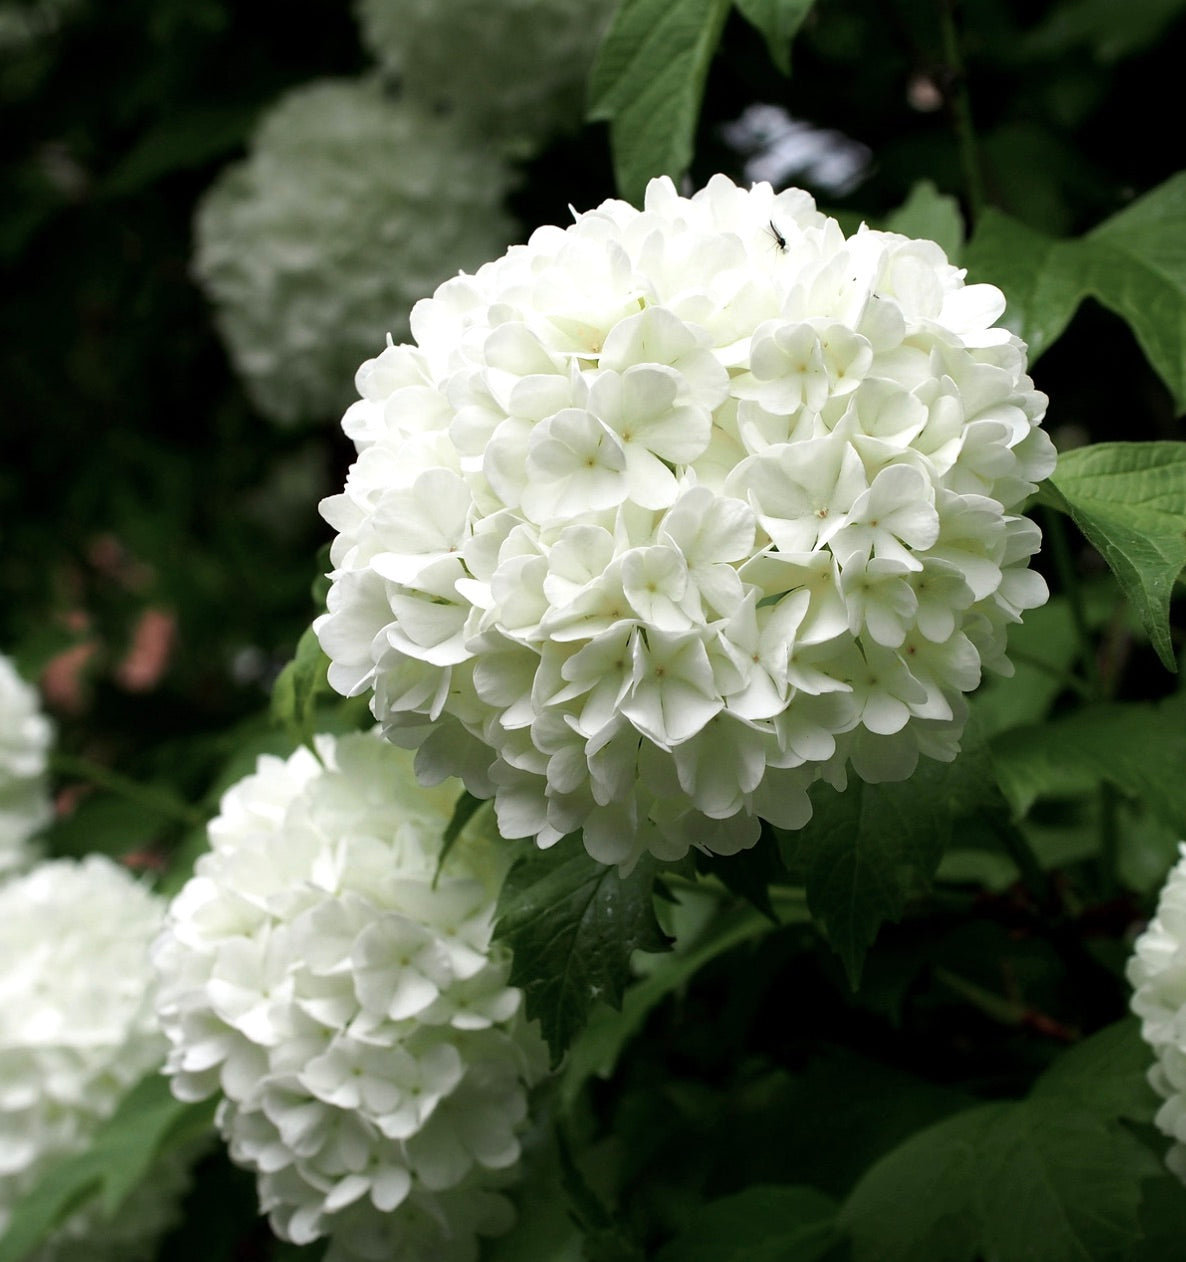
(77, 1031)
(1157, 974)
(513, 72)
(351, 1008)
(349, 208)
(669, 514)
(25, 738)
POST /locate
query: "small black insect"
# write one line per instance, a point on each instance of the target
(779, 239)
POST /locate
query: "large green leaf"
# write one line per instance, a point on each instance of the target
(762, 1224)
(1140, 748)
(1129, 499)
(1134, 263)
(1105, 1074)
(867, 850)
(148, 1122)
(573, 925)
(1037, 1180)
(931, 214)
(779, 22)
(648, 84)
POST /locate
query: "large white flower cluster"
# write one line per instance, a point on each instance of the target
(77, 1031)
(669, 514)
(1157, 974)
(349, 208)
(25, 738)
(513, 72)
(350, 1007)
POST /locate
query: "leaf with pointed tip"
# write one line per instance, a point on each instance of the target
(930, 214)
(778, 22)
(1134, 263)
(648, 83)
(1129, 500)
(573, 924)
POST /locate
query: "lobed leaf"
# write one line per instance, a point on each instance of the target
(1133, 263)
(931, 214)
(1129, 500)
(1038, 1179)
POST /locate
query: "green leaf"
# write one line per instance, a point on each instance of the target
(648, 83)
(596, 1050)
(1138, 747)
(297, 687)
(778, 21)
(1105, 1074)
(867, 850)
(573, 925)
(148, 1122)
(1134, 264)
(1129, 500)
(931, 214)
(1037, 1180)
(1041, 288)
(762, 1224)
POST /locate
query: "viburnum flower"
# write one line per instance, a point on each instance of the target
(1157, 974)
(350, 207)
(349, 1006)
(25, 737)
(77, 1031)
(669, 514)
(512, 73)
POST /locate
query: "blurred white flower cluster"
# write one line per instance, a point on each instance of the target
(349, 208)
(25, 738)
(77, 1031)
(513, 73)
(350, 1007)
(1157, 974)
(669, 514)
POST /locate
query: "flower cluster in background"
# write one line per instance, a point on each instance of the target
(350, 207)
(25, 738)
(77, 1031)
(346, 1001)
(667, 515)
(1157, 974)
(512, 73)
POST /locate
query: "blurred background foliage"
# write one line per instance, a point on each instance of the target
(160, 538)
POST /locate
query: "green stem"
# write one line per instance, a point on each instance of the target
(960, 104)
(148, 796)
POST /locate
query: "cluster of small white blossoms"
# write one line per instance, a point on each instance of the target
(77, 1031)
(25, 738)
(673, 512)
(513, 73)
(1157, 974)
(350, 207)
(350, 1007)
